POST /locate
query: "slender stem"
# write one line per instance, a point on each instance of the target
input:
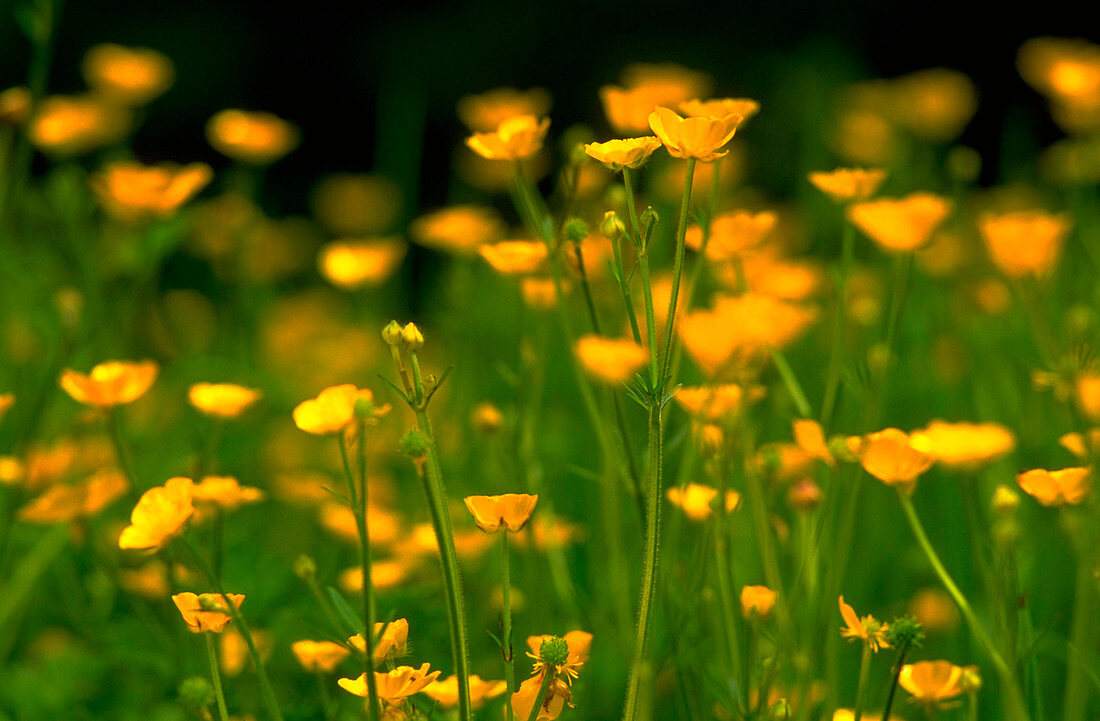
(677, 267)
(837, 347)
(547, 679)
(1017, 707)
(326, 698)
(861, 688)
(895, 675)
(114, 429)
(1077, 660)
(452, 579)
(216, 676)
(506, 610)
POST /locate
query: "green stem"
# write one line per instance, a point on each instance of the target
(114, 429)
(547, 678)
(452, 579)
(1077, 660)
(861, 688)
(506, 610)
(895, 676)
(837, 347)
(1017, 707)
(216, 676)
(677, 267)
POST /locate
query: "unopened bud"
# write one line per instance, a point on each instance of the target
(411, 338)
(576, 230)
(1005, 501)
(612, 225)
(392, 333)
(413, 444)
(305, 568)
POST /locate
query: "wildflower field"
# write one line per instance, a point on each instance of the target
(646, 418)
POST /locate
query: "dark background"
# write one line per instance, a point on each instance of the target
(363, 79)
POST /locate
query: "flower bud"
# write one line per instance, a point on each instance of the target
(413, 444)
(964, 164)
(487, 418)
(804, 495)
(1005, 501)
(650, 217)
(196, 693)
(392, 333)
(411, 338)
(305, 568)
(612, 225)
(364, 408)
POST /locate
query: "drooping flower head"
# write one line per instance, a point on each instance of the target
(868, 629)
(509, 512)
(206, 612)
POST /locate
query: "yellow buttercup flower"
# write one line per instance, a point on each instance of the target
(132, 76)
(646, 87)
(845, 185)
(356, 204)
(935, 609)
(65, 502)
(319, 656)
(932, 683)
(483, 113)
(696, 500)
(579, 644)
(900, 224)
(351, 264)
(159, 515)
(1026, 242)
(516, 138)
(934, 104)
(1086, 393)
(445, 692)
(7, 400)
(111, 383)
(223, 400)
(460, 229)
(868, 629)
(64, 126)
(612, 360)
(541, 293)
(891, 456)
(718, 403)
(1064, 70)
(251, 137)
(15, 106)
(964, 445)
(509, 511)
(721, 107)
(134, 192)
(731, 234)
(392, 643)
(757, 601)
(699, 138)
(810, 437)
(1056, 488)
(225, 492)
(206, 612)
(618, 154)
(514, 257)
(553, 703)
(333, 410)
(394, 686)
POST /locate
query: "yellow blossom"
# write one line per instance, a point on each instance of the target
(509, 511)
(319, 656)
(353, 263)
(932, 683)
(891, 456)
(1025, 242)
(333, 410)
(206, 612)
(696, 500)
(699, 138)
(612, 360)
(868, 629)
(514, 257)
(159, 515)
(618, 154)
(483, 113)
(460, 229)
(223, 400)
(900, 224)
(445, 691)
(1056, 488)
(845, 185)
(251, 137)
(731, 234)
(132, 76)
(964, 445)
(516, 138)
(393, 686)
(757, 601)
(111, 383)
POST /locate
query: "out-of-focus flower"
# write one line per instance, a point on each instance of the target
(383, 526)
(1086, 393)
(696, 500)
(251, 137)
(445, 692)
(934, 104)
(133, 192)
(539, 293)
(557, 696)
(891, 456)
(514, 139)
(646, 87)
(7, 400)
(65, 126)
(206, 612)
(845, 185)
(149, 581)
(804, 495)
(111, 383)
(810, 437)
(351, 264)
(720, 107)
(319, 656)
(349, 204)
(509, 511)
(225, 492)
(233, 650)
(333, 410)
(69, 502)
(131, 76)
(612, 360)
(964, 445)
(484, 112)
(15, 106)
(487, 418)
(900, 224)
(11, 470)
(460, 229)
(701, 138)
(864, 136)
(1067, 72)
(757, 601)
(1056, 488)
(935, 609)
(731, 234)
(717, 403)
(383, 574)
(1026, 242)
(618, 154)
(393, 640)
(159, 515)
(932, 683)
(393, 686)
(868, 629)
(514, 257)
(224, 400)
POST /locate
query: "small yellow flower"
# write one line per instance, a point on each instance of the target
(7, 400)
(445, 691)
(460, 229)
(719, 108)
(159, 515)
(935, 609)
(1066, 71)
(845, 185)
(1026, 242)
(557, 696)
(890, 456)
(65, 126)
(757, 601)
(132, 76)
(868, 629)
(509, 511)
(717, 403)
(1056, 488)
(612, 360)
(483, 113)
(224, 400)
(487, 418)
(810, 437)
(351, 264)
(618, 154)
(393, 640)
(132, 192)
(731, 234)
(333, 410)
(394, 686)
(580, 647)
(900, 224)
(539, 293)
(696, 500)
(253, 138)
(319, 656)
(646, 87)
(514, 257)
(934, 104)
(111, 383)
(699, 138)
(516, 138)
(206, 612)
(225, 492)
(964, 445)
(64, 502)
(15, 106)
(932, 683)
